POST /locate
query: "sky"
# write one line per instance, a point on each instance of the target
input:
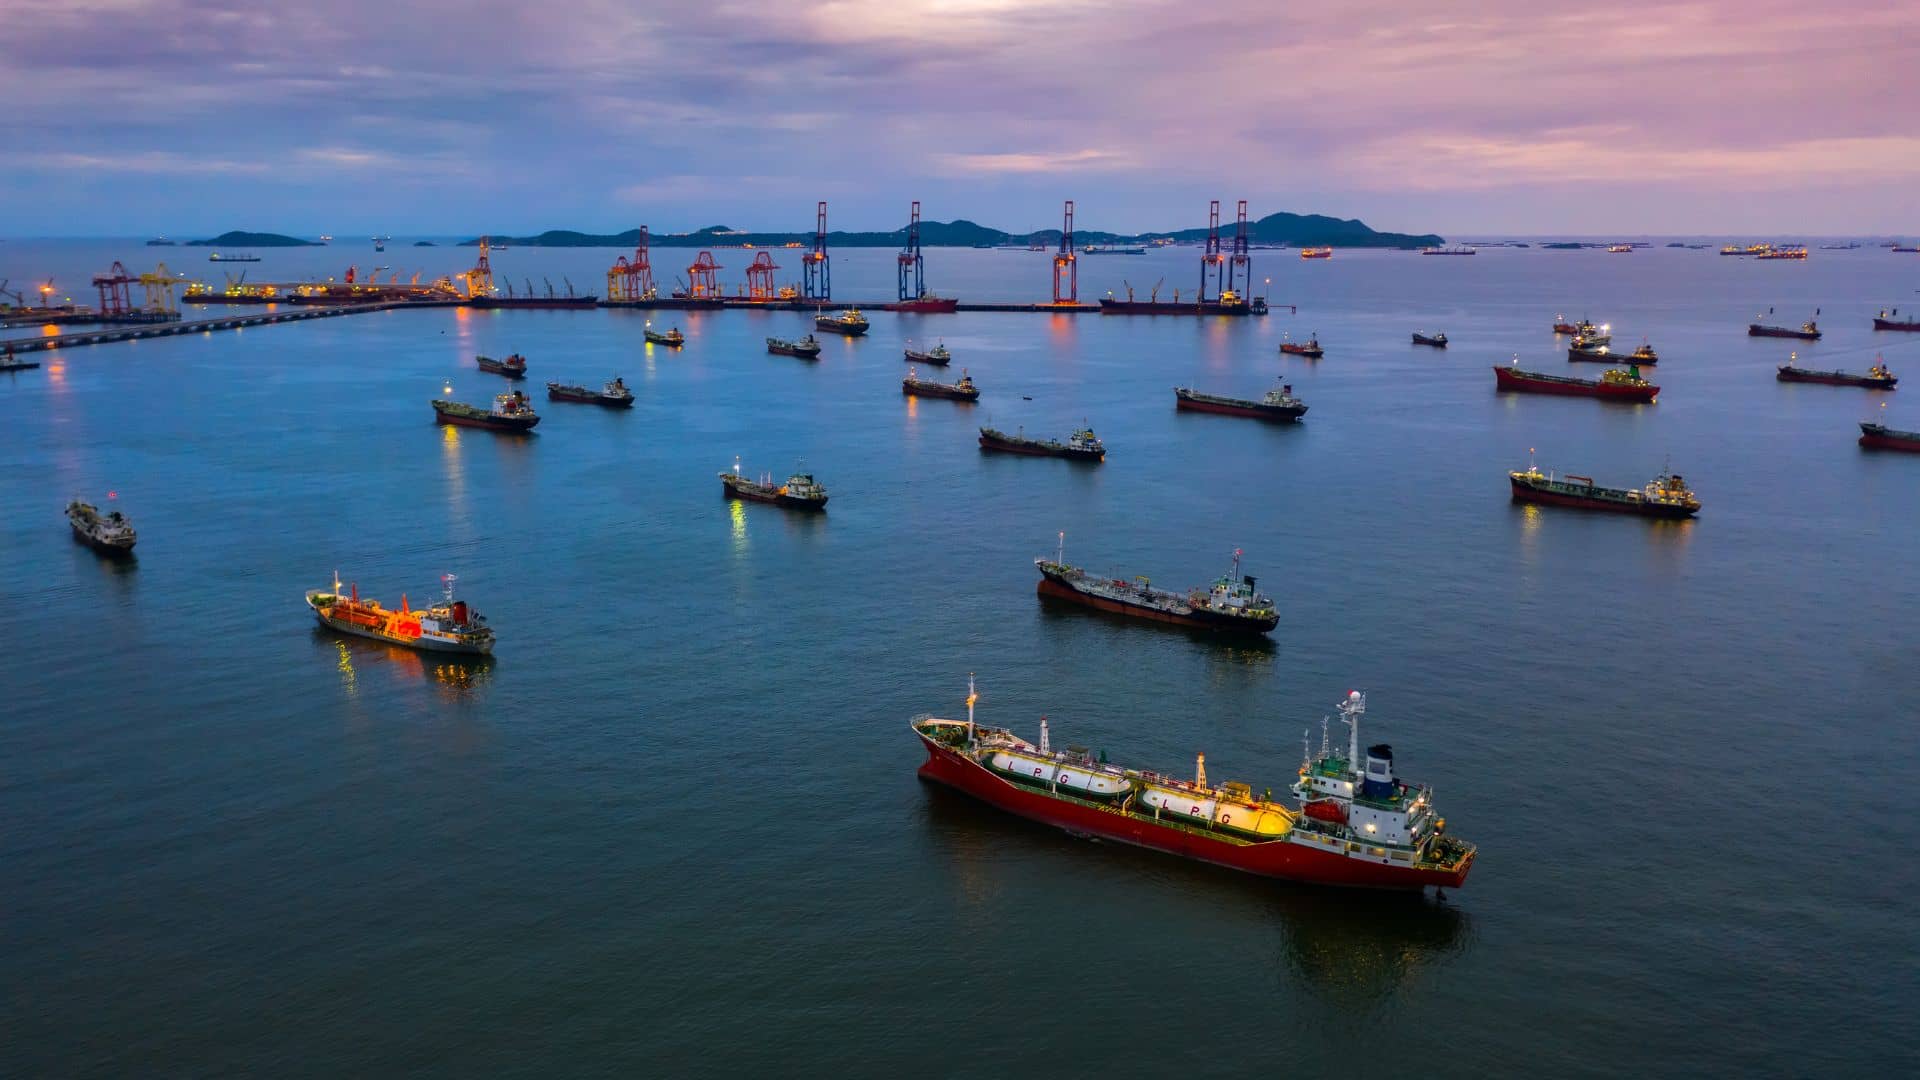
(423, 117)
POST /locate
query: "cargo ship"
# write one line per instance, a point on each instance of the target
(806, 348)
(1892, 320)
(1783, 253)
(938, 356)
(672, 338)
(1316, 253)
(1877, 377)
(1882, 437)
(926, 305)
(1276, 405)
(513, 367)
(1644, 356)
(1667, 496)
(510, 412)
(964, 390)
(1614, 385)
(534, 301)
(849, 323)
(1438, 341)
(1082, 445)
(1619, 249)
(1310, 348)
(1583, 328)
(1356, 823)
(614, 394)
(800, 492)
(1229, 303)
(109, 533)
(449, 626)
(238, 256)
(1589, 335)
(1809, 331)
(1232, 604)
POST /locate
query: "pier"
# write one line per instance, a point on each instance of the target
(174, 329)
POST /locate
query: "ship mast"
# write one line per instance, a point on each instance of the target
(448, 578)
(972, 697)
(1350, 710)
(1060, 550)
(1045, 746)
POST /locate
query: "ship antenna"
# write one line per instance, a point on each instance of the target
(336, 583)
(736, 464)
(1060, 550)
(972, 697)
(1236, 563)
(1045, 746)
(448, 578)
(1325, 721)
(1351, 708)
(1306, 749)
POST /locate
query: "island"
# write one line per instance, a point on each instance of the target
(1303, 230)
(239, 239)
(423, 243)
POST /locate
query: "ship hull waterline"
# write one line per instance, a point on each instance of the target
(1252, 409)
(1280, 859)
(511, 427)
(728, 491)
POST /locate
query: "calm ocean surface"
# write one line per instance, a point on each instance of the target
(674, 828)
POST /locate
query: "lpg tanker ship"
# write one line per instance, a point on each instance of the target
(1356, 823)
(449, 626)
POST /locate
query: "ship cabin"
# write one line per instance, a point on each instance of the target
(1379, 808)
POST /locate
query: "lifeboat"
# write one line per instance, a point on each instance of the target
(1327, 810)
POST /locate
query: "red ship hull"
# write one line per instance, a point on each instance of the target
(489, 424)
(1274, 859)
(1911, 326)
(1891, 441)
(936, 304)
(1517, 382)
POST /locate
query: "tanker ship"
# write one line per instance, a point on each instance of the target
(510, 412)
(1309, 348)
(1356, 823)
(800, 492)
(673, 338)
(513, 367)
(1276, 405)
(1809, 331)
(1082, 445)
(1882, 437)
(964, 390)
(614, 394)
(805, 349)
(1877, 377)
(938, 356)
(1667, 496)
(109, 533)
(449, 626)
(928, 304)
(1614, 385)
(849, 322)
(1232, 604)
(1893, 320)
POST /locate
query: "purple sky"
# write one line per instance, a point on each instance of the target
(420, 116)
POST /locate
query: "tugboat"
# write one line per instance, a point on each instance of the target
(1882, 437)
(513, 367)
(1615, 385)
(964, 390)
(1878, 377)
(849, 322)
(1809, 330)
(672, 338)
(1311, 349)
(1231, 604)
(1438, 341)
(1316, 253)
(1667, 496)
(800, 492)
(1082, 445)
(613, 394)
(10, 363)
(805, 349)
(1276, 405)
(1356, 825)
(449, 626)
(1886, 320)
(938, 356)
(510, 412)
(109, 533)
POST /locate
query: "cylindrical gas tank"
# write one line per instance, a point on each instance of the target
(1077, 781)
(1253, 820)
(1180, 804)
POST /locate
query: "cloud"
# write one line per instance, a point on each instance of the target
(1036, 161)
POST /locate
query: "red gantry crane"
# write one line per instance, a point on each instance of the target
(633, 279)
(115, 299)
(760, 284)
(702, 284)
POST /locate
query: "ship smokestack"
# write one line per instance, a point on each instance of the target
(1378, 783)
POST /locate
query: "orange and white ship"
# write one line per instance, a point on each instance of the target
(449, 626)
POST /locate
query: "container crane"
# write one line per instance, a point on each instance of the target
(816, 282)
(1241, 266)
(760, 284)
(913, 267)
(1213, 264)
(701, 275)
(115, 297)
(1066, 270)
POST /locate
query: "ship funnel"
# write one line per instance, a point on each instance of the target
(1378, 783)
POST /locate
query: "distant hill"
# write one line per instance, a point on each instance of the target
(254, 239)
(423, 243)
(1282, 228)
